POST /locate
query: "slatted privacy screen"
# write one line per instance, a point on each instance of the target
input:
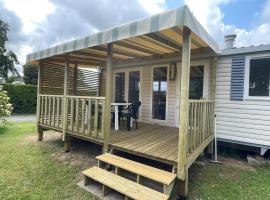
(81, 81)
(201, 123)
(237, 78)
(85, 116)
(52, 79)
(87, 82)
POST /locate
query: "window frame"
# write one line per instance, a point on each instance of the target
(151, 95)
(246, 78)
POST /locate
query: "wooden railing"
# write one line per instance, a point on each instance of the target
(84, 115)
(50, 110)
(201, 123)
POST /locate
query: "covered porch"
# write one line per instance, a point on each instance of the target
(77, 87)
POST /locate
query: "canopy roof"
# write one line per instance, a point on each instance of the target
(155, 35)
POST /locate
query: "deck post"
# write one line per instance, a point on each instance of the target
(75, 76)
(183, 109)
(39, 128)
(108, 98)
(64, 119)
(210, 147)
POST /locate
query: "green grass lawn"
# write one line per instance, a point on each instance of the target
(29, 171)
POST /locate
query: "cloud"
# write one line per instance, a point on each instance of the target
(44, 23)
(211, 17)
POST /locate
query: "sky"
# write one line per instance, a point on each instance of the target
(38, 24)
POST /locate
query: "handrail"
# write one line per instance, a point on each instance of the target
(84, 115)
(201, 123)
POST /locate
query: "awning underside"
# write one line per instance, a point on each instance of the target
(155, 36)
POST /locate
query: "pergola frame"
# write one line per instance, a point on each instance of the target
(141, 47)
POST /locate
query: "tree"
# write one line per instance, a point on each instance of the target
(8, 59)
(30, 74)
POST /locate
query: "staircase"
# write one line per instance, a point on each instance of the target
(115, 180)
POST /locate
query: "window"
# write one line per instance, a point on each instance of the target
(196, 82)
(259, 72)
(159, 89)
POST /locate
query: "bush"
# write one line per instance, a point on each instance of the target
(22, 97)
(5, 107)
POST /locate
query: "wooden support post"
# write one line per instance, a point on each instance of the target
(108, 98)
(183, 185)
(75, 76)
(66, 143)
(183, 109)
(40, 132)
(105, 190)
(64, 114)
(210, 148)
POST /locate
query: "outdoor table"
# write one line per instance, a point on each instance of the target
(116, 119)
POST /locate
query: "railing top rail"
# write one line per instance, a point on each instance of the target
(50, 95)
(86, 97)
(202, 101)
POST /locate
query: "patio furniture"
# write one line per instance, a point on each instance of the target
(116, 113)
(133, 113)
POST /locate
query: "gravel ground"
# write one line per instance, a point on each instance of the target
(17, 118)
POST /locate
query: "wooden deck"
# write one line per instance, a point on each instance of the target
(149, 140)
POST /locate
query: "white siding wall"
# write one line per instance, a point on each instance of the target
(146, 92)
(246, 121)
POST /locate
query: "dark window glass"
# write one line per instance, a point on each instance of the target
(134, 87)
(159, 93)
(120, 87)
(196, 82)
(259, 77)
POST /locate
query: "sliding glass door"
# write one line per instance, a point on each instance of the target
(134, 86)
(119, 87)
(159, 93)
(127, 86)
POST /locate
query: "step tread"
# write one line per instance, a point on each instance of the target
(124, 186)
(152, 173)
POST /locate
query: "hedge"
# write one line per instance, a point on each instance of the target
(22, 97)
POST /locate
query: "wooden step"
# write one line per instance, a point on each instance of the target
(122, 185)
(158, 175)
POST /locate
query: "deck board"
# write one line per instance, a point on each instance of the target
(149, 140)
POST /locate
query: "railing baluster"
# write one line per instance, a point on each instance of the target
(71, 114)
(46, 109)
(103, 119)
(77, 115)
(83, 116)
(53, 122)
(89, 117)
(96, 119)
(195, 126)
(57, 111)
(41, 111)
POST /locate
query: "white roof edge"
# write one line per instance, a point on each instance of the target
(242, 50)
(177, 17)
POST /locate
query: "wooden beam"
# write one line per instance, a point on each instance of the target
(194, 42)
(62, 60)
(162, 40)
(183, 109)
(107, 129)
(135, 47)
(119, 52)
